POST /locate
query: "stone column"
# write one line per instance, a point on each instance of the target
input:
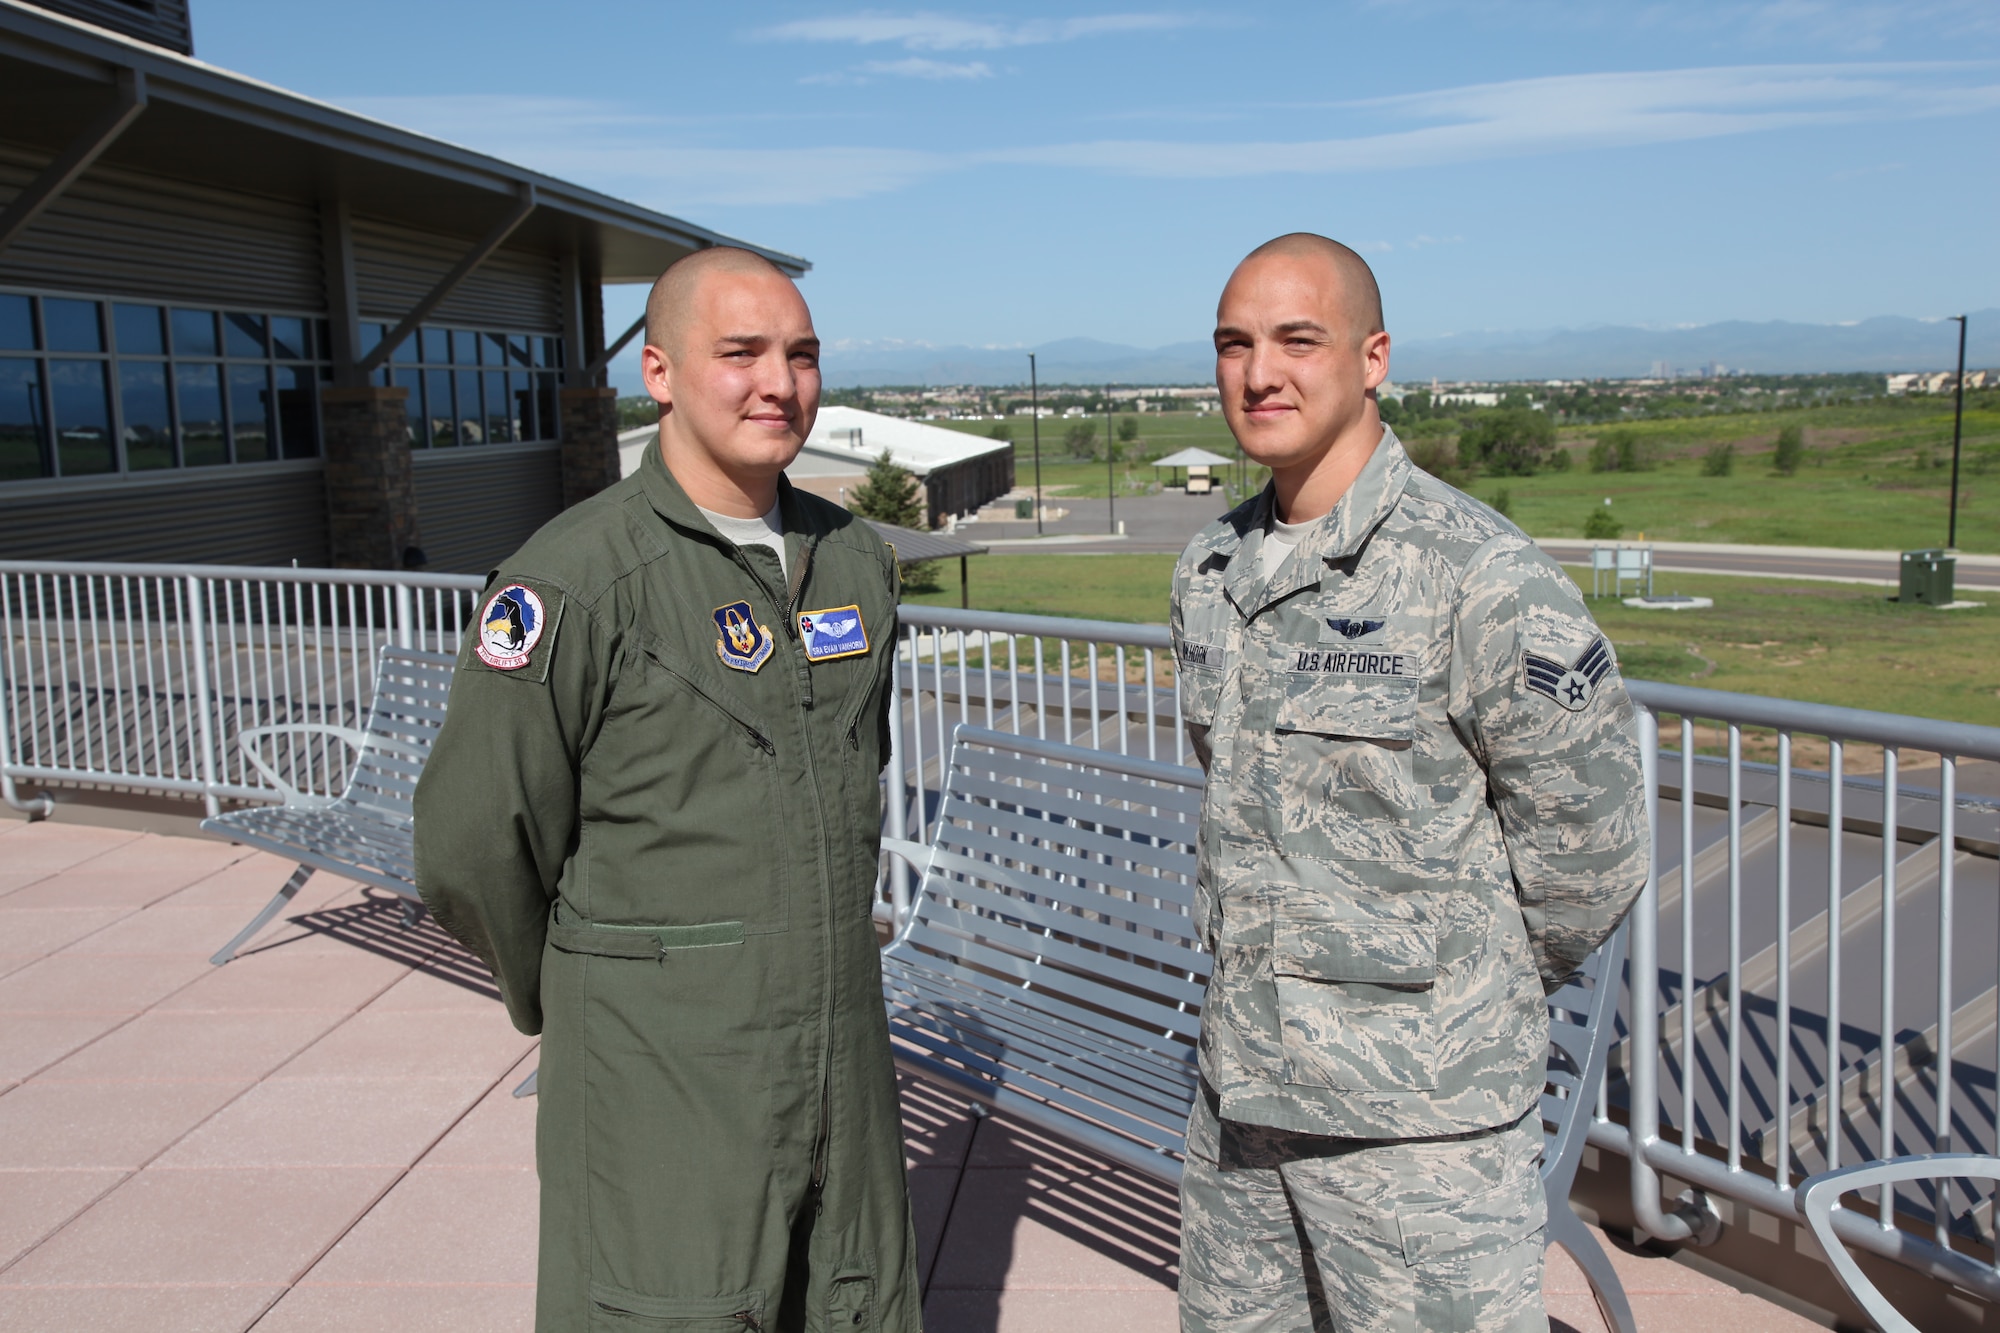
(371, 497)
(589, 442)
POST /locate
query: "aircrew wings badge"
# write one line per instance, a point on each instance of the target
(510, 627)
(1575, 685)
(741, 642)
(834, 632)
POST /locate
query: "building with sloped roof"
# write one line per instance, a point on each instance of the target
(240, 325)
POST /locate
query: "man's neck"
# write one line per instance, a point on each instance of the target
(1309, 491)
(712, 488)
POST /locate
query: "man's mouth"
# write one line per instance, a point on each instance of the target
(1267, 411)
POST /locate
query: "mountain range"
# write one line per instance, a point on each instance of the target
(1886, 343)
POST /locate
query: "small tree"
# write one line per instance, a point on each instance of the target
(1128, 430)
(1604, 455)
(1719, 461)
(1791, 451)
(889, 495)
(1508, 441)
(1560, 460)
(1081, 439)
(1601, 525)
(1001, 430)
(1503, 502)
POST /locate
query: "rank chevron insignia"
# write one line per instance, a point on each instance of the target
(1572, 686)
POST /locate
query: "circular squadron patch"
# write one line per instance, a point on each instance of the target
(509, 628)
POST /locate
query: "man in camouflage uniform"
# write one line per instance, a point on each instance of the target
(1423, 810)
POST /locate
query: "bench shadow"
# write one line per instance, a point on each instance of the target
(375, 925)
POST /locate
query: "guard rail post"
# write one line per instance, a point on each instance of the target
(195, 631)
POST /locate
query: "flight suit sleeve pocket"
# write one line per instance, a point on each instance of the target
(1354, 1001)
(614, 1308)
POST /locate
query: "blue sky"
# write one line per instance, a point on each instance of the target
(1011, 174)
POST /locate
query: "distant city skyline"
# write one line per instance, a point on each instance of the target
(1021, 173)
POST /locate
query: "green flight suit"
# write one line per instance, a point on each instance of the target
(669, 863)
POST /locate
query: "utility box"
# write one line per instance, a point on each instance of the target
(1024, 509)
(1927, 577)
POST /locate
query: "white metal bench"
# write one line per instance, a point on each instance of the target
(365, 832)
(1050, 967)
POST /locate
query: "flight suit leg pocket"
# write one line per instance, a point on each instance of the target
(1355, 999)
(616, 1310)
(850, 1302)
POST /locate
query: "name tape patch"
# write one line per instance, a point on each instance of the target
(834, 632)
(1200, 654)
(510, 627)
(1353, 662)
(740, 641)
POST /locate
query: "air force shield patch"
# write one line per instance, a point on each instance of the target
(740, 641)
(834, 632)
(1575, 685)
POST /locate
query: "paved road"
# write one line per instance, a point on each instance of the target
(1163, 523)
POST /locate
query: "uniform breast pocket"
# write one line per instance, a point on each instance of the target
(1346, 789)
(1355, 1001)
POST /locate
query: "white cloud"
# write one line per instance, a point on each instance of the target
(946, 32)
(1485, 122)
(913, 67)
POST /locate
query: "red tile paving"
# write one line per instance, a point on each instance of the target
(322, 1134)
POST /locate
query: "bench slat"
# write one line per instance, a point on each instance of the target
(1043, 847)
(1058, 987)
(1030, 919)
(1022, 879)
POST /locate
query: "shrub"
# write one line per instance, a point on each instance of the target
(1601, 525)
(1719, 461)
(1560, 460)
(1508, 441)
(1081, 440)
(1000, 430)
(1436, 455)
(1604, 456)
(1503, 502)
(1790, 452)
(1623, 451)
(1128, 430)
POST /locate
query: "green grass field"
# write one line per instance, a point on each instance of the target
(1825, 642)
(1876, 475)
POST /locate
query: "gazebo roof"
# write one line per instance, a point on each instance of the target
(1193, 458)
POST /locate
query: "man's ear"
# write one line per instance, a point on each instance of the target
(658, 373)
(1375, 355)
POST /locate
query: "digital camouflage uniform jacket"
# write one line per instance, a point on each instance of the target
(654, 811)
(1423, 807)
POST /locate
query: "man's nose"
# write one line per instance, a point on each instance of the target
(776, 380)
(1261, 373)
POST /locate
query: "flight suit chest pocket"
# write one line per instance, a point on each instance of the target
(1355, 1003)
(1344, 768)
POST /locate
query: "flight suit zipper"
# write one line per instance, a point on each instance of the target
(823, 1133)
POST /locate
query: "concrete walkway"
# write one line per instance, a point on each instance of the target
(322, 1136)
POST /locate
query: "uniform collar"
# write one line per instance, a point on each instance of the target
(671, 502)
(1338, 536)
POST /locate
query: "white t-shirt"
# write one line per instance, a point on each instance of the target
(767, 530)
(1280, 540)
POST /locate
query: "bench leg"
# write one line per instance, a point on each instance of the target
(271, 909)
(1568, 1231)
(528, 1086)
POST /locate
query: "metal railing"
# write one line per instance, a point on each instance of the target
(1812, 974)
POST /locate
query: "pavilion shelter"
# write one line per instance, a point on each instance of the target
(1199, 465)
(239, 325)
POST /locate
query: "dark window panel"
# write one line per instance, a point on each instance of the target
(523, 386)
(72, 326)
(250, 413)
(288, 338)
(437, 386)
(140, 330)
(517, 350)
(493, 349)
(149, 422)
(17, 323)
(413, 407)
(436, 347)
(322, 340)
(372, 336)
(82, 417)
(298, 411)
(243, 335)
(23, 441)
(194, 333)
(499, 413)
(198, 391)
(471, 420)
(546, 406)
(464, 347)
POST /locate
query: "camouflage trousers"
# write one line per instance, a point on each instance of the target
(1294, 1233)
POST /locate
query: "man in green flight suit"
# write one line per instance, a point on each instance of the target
(1423, 811)
(654, 811)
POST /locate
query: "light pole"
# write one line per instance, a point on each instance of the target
(1110, 450)
(1957, 424)
(1035, 417)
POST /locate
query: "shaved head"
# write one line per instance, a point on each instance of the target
(672, 299)
(1362, 299)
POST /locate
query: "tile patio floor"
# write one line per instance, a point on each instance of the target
(321, 1135)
